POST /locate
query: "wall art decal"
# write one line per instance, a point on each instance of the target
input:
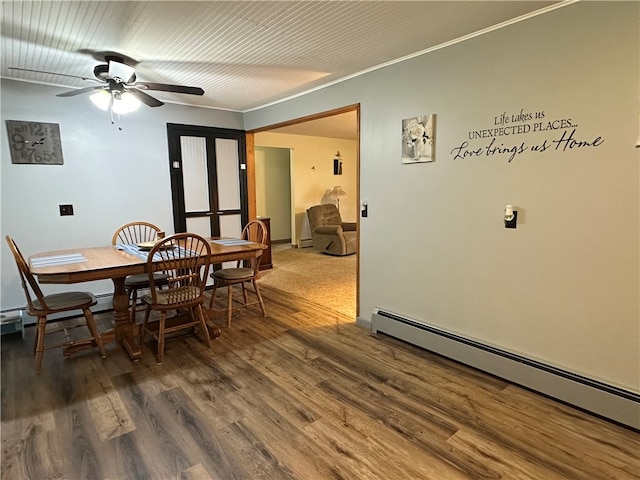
(511, 135)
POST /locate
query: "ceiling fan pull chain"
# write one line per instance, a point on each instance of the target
(113, 122)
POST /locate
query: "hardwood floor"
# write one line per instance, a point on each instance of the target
(300, 394)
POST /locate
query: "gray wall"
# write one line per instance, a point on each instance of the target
(563, 287)
(110, 176)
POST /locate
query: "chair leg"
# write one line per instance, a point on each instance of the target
(229, 303)
(255, 287)
(143, 329)
(244, 294)
(35, 339)
(213, 294)
(39, 346)
(203, 325)
(93, 328)
(163, 321)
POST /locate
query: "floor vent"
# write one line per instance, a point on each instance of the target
(616, 404)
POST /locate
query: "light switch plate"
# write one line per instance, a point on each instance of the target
(66, 210)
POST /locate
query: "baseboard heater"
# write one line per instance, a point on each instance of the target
(616, 404)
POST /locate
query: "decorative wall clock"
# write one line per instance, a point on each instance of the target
(35, 143)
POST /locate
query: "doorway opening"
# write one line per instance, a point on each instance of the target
(313, 145)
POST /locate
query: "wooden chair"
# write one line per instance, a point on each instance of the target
(133, 233)
(45, 305)
(255, 231)
(184, 259)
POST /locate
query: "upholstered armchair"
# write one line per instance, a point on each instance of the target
(329, 233)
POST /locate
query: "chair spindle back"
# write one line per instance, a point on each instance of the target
(185, 258)
(255, 231)
(135, 232)
(26, 278)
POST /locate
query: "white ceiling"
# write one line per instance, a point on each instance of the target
(343, 125)
(244, 54)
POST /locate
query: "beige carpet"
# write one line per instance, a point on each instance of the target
(323, 279)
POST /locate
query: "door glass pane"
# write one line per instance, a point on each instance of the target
(199, 225)
(228, 171)
(195, 174)
(231, 226)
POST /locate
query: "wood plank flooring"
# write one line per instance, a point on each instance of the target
(302, 394)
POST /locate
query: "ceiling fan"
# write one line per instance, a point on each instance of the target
(117, 79)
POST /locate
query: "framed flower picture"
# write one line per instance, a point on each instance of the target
(418, 139)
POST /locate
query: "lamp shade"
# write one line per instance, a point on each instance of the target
(337, 193)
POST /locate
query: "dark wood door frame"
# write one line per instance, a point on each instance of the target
(174, 132)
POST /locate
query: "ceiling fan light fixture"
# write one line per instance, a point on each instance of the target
(119, 102)
(125, 103)
(101, 99)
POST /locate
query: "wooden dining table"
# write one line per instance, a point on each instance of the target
(114, 262)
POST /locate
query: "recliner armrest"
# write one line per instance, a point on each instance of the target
(349, 226)
(328, 229)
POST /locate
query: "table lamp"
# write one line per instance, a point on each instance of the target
(337, 193)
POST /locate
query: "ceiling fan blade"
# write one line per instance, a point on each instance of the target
(54, 73)
(79, 91)
(170, 88)
(145, 98)
(106, 55)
